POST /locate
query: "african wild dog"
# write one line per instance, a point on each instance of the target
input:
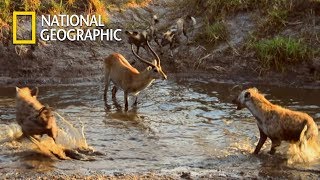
(275, 122)
(182, 26)
(33, 117)
(139, 38)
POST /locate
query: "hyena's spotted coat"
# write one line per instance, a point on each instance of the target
(275, 122)
(33, 117)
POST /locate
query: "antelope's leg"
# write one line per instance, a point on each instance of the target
(107, 82)
(114, 92)
(262, 140)
(275, 143)
(126, 101)
(136, 101)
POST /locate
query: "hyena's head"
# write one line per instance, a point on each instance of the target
(26, 93)
(47, 117)
(244, 97)
(45, 114)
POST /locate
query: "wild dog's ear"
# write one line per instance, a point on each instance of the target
(17, 89)
(127, 32)
(247, 95)
(35, 91)
(135, 33)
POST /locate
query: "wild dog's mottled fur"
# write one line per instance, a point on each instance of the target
(182, 26)
(275, 122)
(139, 38)
(33, 117)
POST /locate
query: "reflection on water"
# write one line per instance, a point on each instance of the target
(177, 124)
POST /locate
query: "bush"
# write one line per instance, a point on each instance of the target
(280, 52)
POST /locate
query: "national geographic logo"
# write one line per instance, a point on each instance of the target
(33, 27)
(64, 27)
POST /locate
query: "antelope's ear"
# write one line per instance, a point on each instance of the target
(247, 95)
(35, 91)
(17, 89)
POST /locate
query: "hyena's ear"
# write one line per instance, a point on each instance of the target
(35, 91)
(247, 95)
(255, 89)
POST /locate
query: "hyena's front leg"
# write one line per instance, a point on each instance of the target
(275, 143)
(262, 140)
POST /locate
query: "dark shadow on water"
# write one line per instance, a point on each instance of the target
(35, 160)
(127, 120)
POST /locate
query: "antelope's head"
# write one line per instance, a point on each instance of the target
(154, 68)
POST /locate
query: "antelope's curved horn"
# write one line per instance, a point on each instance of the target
(154, 53)
(140, 58)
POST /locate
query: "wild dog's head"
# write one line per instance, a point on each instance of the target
(136, 36)
(167, 37)
(244, 97)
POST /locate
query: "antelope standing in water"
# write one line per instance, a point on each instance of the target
(130, 80)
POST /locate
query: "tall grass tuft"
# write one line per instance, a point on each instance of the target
(279, 52)
(214, 33)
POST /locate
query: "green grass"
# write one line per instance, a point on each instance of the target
(214, 33)
(279, 52)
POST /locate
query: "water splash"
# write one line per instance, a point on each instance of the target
(304, 151)
(10, 132)
(70, 136)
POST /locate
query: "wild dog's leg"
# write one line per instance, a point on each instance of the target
(114, 92)
(125, 101)
(262, 140)
(157, 41)
(185, 34)
(171, 48)
(275, 143)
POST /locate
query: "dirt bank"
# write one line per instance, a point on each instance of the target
(81, 62)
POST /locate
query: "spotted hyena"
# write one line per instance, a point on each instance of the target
(33, 117)
(275, 122)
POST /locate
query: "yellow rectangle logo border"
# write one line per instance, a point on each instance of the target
(33, 27)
